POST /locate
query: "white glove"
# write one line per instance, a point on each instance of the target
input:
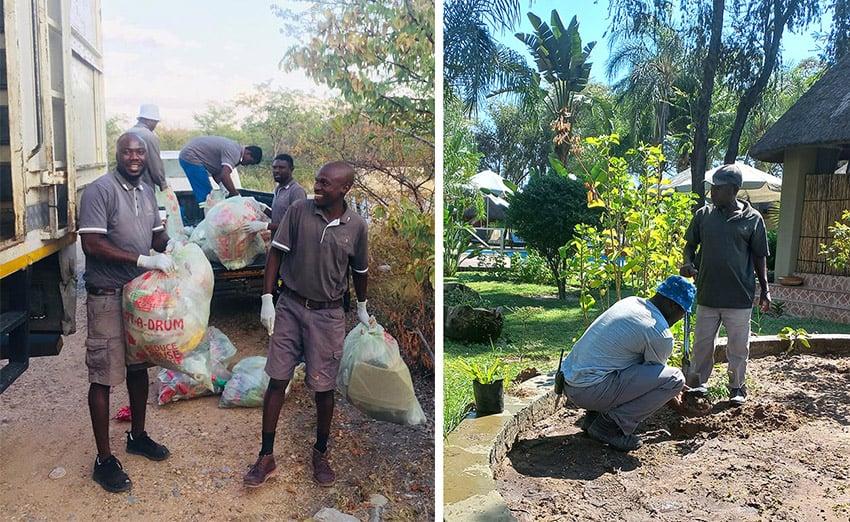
(156, 262)
(362, 314)
(253, 227)
(267, 313)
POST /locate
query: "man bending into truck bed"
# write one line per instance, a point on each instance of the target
(119, 224)
(215, 156)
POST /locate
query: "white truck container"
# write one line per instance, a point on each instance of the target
(52, 144)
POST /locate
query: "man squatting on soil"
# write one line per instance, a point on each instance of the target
(312, 250)
(119, 224)
(617, 369)
(732, 242)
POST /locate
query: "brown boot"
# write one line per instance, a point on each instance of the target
(260, 472)
(322, 472)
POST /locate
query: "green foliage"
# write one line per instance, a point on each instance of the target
(417, 231)
(837, 251)
(529, 269)
(545, 215)
(460, 163)
(794, 336)
(484, 373)
(640, 236)
(564, 71)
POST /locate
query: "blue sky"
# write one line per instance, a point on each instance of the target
(593, 20)
(184, 54)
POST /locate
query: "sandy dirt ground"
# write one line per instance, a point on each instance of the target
(45, 432)
(783, 456)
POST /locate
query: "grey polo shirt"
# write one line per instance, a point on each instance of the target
(317, 253)
(128, 216)
(154, 173)
(284, 197)
(726, 272)
(213, 152)
(632, 331)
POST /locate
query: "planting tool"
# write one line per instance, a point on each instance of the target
(559, 380)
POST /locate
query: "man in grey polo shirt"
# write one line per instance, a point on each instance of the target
(312, 251)
(215, 156)
(118, 225)
(732, 242)
(146, 122)
(287, 192)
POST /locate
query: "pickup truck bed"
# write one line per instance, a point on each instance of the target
(244, 281)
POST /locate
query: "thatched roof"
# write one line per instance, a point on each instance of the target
(820, 118)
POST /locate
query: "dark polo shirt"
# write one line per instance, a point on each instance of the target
(128, 216)
(726, 277)
(317, 253)
(284, 197)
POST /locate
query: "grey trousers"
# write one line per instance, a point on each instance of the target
(630, 395)
(737, 323)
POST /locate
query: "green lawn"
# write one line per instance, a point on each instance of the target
(534, 338)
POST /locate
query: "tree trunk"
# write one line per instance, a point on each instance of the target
(753, 93)
(700, 149)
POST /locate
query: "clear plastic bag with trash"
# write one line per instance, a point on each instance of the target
(166, 314)
(221, 236)
(216, 351)
(373, 377)
(247, 385)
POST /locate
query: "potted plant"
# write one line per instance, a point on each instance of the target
(488, 385)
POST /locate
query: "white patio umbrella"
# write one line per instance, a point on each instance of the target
(490, 181)
(758, 186)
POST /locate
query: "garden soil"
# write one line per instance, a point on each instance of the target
(782, 456)
(47, 448)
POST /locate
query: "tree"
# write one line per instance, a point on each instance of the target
(545, 215)
(514, 142)
(380, 57)
(563, 73)
(755, 43)
(475, 64)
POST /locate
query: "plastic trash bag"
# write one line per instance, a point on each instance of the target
(173, 217)
(220, 233)
(217, 350)
(374, 378)
(247, 385)
(166, 314)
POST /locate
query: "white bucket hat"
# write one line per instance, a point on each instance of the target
(149, 111)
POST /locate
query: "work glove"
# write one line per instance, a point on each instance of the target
(252, 227)
(362, 314)
(156, 262)
(267, 313)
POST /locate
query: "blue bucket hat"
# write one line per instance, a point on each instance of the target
(680, 290)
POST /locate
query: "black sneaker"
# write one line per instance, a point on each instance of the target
(587, 420)
(737, 396)
(110, 475)
(145, 446)
(604, 429)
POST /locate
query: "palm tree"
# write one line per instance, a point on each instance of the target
(563, 73)
(654, 66)
(474, 63)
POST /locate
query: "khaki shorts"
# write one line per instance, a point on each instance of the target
(106, 349)
(313, 336)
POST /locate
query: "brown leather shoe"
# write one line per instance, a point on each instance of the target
(322, 472)
(260, 472)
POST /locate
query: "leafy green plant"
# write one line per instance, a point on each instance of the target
(777, 309)
(794, 336)
(524, 313)
(837, 251)
(484, 373)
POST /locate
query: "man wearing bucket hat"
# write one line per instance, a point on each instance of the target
(617, 369)
(146, 122)
(725, 244)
